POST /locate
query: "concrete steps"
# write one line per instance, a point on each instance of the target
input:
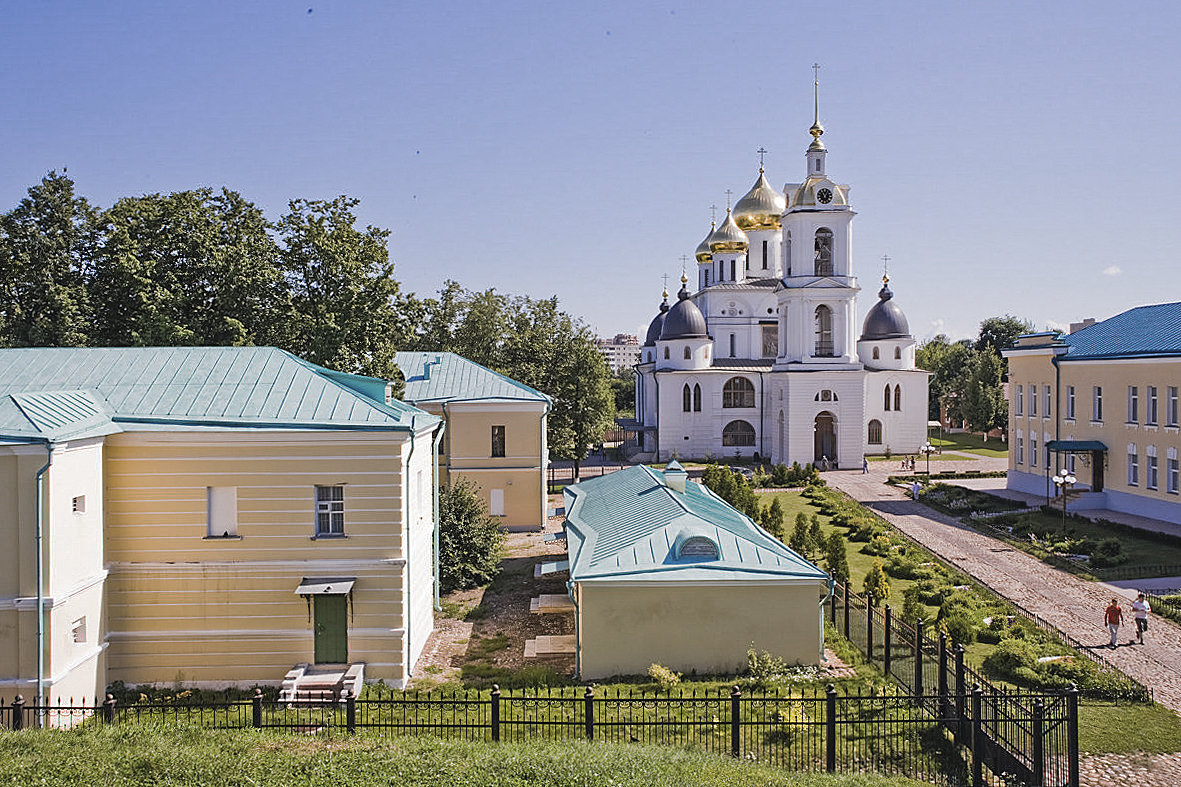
(550, 645)
(547, 603)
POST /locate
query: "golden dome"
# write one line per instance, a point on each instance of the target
(761, 208)
(703, 254)
(729, 237)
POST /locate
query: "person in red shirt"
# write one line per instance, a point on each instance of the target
(1113, 617)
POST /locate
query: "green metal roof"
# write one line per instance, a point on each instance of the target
(628, 525)
(55, 393)
(1073, 446)
(447, 377)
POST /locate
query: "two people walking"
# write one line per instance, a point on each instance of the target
(1113, 617)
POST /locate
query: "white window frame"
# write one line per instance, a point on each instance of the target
(1046, 409)
(1070, 402)
(330, 504)
(1032, 450)
(1097, 404)
(1019, 400)
(1020, 455)
(1150, 467)
(1133, 404)
(221, 511)
(1171, 406)
(1033, 400)
(78, 504)
(1150, 405)
(78, 631)
(1133, 465)
(1173, 473)
(496, 502)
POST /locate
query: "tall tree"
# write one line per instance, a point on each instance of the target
(344, 302)
(984, 405)
(998, 333)
(949, 363)
(45, 249)
(188, 268)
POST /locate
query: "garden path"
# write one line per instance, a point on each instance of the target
(1073, 605)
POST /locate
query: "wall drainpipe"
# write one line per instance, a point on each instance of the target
(832, 583)
(407, 596)
(39, 514)
(435, 503)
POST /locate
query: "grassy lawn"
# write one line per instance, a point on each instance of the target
(920, 463)
(126, 756)
(971, 443)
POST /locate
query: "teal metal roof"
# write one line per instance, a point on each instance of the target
(1146, 331)
(628, 525)
(447, 377)
(54, 393)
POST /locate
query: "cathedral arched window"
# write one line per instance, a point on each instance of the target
(738, 392)
(875, 432)
(897, 353)
(688, 353)
(887, 399)
(876, 354)
(823, 320)
(787, 253)
(666, 353)
(721, 271)
(823, 252)
(685, 398)
(897, 397)
(738, 433)
(764, 255)
(696, 398)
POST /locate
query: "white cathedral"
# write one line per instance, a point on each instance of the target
(763, 360)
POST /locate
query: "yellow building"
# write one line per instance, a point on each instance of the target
(664, 571)
(495, 431)
(1102, 404)
(210, 516)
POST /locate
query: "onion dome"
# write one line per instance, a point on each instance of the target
(703, 254)
(657, 323)
(761, 208)
(684, 320)
(885, 320)
(729, 237)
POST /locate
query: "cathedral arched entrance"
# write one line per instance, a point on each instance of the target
(826, 438)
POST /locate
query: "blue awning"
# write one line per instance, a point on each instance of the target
(1075, 446)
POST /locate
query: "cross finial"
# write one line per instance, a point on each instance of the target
(684, 262)
(816, 92)
(885, 269)
(713, 214)
(729, 193)
(664, 278)
(762, 151)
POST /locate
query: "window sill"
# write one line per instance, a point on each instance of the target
(326, 536)
(1096, 423)
(222, 538)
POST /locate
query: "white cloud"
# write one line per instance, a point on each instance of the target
(1112, 270)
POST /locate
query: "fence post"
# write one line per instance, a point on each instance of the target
(256, 701)
(918, 658)
(869, 627)
(735, 713)
(977, 762)
(846, 595)
(1072, 735)
(830, 728)
(942, 676)
(589, 703)
(18, 712)
(887, 640)
(832, 606)
(1039, 751)
(109, 709)
(350, 711)
(495, 712)
(961, 691)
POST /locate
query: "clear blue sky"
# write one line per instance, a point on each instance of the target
(1011, 157)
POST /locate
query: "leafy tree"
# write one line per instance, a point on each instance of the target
(623, 389)
(772, 519)
(344, 308)
(731, 487)
(835, 557)
(876, 585)
(912, 609)
(815, 534)
(471, 543)
(801, 541)
(984, 406)
(999, 333)
(188, 268)
(949, 362)
(45, 250)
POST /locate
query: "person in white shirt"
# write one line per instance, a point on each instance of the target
(1140, 610)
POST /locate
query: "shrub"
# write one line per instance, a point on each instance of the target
(878, 546)
(763, 667)
(912, 609)
(815, 533)
(470, 542)
(835, 558)
(1010, 655)
(1109, 552)
(961, 627)
(664, 676)
(876, 585)
(801, 542)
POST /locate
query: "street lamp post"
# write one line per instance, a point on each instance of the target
(927, 450)
(1064, 480)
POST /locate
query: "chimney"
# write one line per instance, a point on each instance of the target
(1078, 326)
(675, 476)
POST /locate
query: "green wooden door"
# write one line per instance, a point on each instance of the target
(332, 629)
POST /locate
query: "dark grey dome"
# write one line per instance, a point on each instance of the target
(885, 320)
(657, 324)
(684, 320)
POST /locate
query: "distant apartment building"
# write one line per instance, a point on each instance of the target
(620, 352)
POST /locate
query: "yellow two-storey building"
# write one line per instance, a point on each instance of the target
(207, 516)
(1102, 404)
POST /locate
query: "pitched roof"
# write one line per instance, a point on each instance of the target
(54, 393)
(629, 525)
(1145, 331)
(447, 377)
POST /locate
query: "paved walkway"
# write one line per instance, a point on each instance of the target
(1073, 605)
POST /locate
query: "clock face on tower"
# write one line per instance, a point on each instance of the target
(825, 196)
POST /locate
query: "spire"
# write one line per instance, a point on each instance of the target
(817, 130)
(885, 294)
(683, 294)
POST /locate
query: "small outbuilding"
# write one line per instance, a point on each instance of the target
(662, 570)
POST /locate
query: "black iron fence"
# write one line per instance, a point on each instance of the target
(944, 738)
(1032, 737)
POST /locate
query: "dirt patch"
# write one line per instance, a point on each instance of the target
(485, 629)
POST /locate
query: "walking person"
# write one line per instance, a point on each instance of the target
(1113, 616)
(864, 465)
(1140, 610)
